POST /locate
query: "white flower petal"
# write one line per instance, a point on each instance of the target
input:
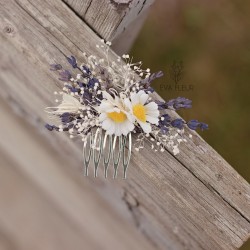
(105, 107)
(127, 127)
(141, 92)
(154, 113)
(152, 119)
(127, 103)
(117, 105)
(106, 124)
(102, 117)
(143, 98)
(131, 126)
(124, 129)
(146, 127)
(107, 96)
(116, 110)
(134, 98)
(118, 101)
(117, 129)
(151, 106)
(111, 130)
(130, 117)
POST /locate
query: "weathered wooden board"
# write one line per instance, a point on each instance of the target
(53, 207)
(193, 201)
(116, 20)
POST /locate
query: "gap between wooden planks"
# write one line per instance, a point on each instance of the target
(116, 20)
(175, 203)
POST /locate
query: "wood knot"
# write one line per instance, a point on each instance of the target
(8, 30)
(121, 5)
(219, 177)
(130, 200)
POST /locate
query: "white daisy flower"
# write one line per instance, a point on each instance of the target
(144, 114)
(114, 116)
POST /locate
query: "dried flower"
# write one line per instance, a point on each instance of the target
(107, 94)
(55, 67)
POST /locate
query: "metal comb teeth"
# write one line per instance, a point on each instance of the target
(100, 147)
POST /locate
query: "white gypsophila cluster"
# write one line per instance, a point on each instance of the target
(159, 141)
(122, 76)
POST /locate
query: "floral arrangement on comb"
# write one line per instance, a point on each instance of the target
(116, 97)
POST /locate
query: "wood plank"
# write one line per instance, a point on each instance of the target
(116, 20)
(216, 168)
(169, 204)
(54, 207)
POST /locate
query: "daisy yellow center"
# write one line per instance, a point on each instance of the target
(117, 117)
(139, 112)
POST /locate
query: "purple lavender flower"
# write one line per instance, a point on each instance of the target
(73, 89)
(203, 126)
(178, 123)
(149, 90)
(51, 127)
(92, 82)
(179, 102)
(86, 71)
(80, 84)
(161, 105)
(65, 76)
(164, 123)
(164, 130)
(66, 117)
(55, 67)
(165, 119)
(72, 61)
(87, 96)
(147, 81)
(194, 124)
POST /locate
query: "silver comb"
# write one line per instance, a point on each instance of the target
(100, 147)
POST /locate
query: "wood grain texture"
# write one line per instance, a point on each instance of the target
(116, 20)
(38, 194)
(193, 201)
